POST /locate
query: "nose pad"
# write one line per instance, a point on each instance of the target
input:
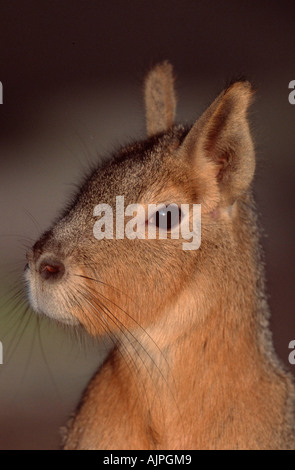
(51, 270)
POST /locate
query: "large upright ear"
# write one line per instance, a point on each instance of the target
(220, 150)
(160, 101)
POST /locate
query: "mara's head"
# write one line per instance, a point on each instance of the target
(120, 281)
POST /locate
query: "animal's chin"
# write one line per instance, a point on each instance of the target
(46, 305)
(66, 319)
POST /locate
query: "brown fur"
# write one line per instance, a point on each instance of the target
(192, 365)
(160, 99)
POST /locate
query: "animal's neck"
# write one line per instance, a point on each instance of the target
(225, 336)
(193, 378)
(203, 354)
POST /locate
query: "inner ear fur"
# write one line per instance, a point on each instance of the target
(220, 149)
(160, 99)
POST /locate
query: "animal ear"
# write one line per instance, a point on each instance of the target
(160, 101)
(220, 150)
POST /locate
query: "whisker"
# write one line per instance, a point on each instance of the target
(103, 283)
(32, 343)
(115, 342)
(33, 219)
(22, 326)
(123, 328)
(43, 354)
(129, 316)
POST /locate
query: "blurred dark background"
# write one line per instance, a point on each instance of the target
(72, 79)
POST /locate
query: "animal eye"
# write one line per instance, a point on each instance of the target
(166, 218)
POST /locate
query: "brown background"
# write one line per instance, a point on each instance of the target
(72, 73)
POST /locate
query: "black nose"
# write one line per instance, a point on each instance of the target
(51, 270)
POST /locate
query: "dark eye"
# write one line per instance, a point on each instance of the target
(166, 218)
